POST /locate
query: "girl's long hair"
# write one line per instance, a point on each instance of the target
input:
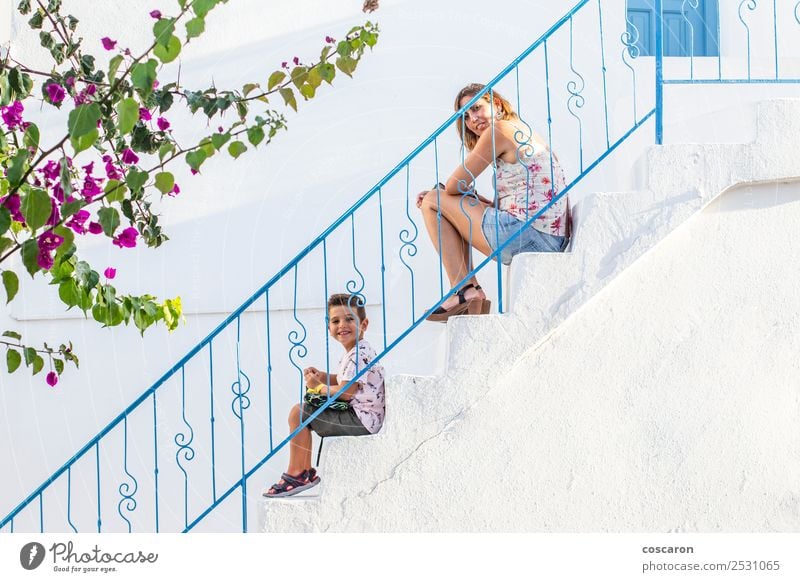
(501, 105)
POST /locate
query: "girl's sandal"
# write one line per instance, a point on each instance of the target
(464, 306)
(293, 485)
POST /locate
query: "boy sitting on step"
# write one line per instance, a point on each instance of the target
(359, 410)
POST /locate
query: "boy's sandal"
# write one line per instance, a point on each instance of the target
(293, 484)
(469, 306)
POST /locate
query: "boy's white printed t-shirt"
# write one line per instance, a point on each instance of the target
(369, 401)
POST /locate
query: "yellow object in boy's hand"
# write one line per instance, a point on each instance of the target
(318, 389)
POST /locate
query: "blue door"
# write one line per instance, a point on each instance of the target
(688, 31)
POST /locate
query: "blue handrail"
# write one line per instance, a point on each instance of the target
(191, 438)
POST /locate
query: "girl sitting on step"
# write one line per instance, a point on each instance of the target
(528, 178)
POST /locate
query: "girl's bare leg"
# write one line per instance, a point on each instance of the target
(458, 227)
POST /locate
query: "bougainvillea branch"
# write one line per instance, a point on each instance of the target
(107, 172)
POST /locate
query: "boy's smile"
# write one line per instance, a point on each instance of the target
(344, 327)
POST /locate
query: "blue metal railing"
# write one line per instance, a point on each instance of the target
(190, 457)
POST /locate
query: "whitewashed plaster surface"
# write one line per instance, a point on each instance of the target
(669, 402)
(226, 240)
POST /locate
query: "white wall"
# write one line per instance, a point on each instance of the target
(236, 225)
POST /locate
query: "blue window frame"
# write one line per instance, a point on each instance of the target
(688, 31)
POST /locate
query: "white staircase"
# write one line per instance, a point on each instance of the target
(557, 418)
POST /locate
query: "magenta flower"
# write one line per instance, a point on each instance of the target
(111, 170)
(91, 89)
(70, 82)
(330, 39)
(194, 172)
(95, 228)
(162, 123)
(110, 273)
(58, 193)
(56, 93)
(91, 188)
(175, 190)
(127, 239)
(13, 203)
(51, 170)
(55, 214)
(52, 379)
(49, 240)
(129, 157)
(155, 14)
(108, 44)
(296, 60)
(45, 260)
(284, 65)
(144, 114)
(12, 115)
(77, 221)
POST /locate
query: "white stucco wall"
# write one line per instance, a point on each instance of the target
(226, 239)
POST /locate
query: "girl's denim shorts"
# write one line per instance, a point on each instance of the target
(498, 226)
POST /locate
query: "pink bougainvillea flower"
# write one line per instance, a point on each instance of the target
(55, 213)
(155, 14)
(127, 238)
(13, 203)
(49, 240)
(194, 172)
(56, 93)
(95, 228)
(296, 60)
(112, 171)
(144, 114)
(12, 115)
(110, 273)
(91, 89)
(45, 260)
(129, 157)
(162, 123)
(284, 65)
(108, 44)
(78, 220)
(52, 379)
(58, 193)
(330, 39)
(175, 190)
(51, 170)
(155, 84)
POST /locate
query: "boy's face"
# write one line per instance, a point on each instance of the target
(344, 327)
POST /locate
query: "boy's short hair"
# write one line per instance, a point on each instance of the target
(354, 302)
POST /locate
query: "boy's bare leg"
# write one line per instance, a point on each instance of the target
(299, 446)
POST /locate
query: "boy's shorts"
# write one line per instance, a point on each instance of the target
(332, 423)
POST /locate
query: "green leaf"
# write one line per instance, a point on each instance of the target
(66, 182)
(31, 137)
(195, 27)
(196, 158)
(314, 77)
(136, 179)
(275, 79)
(288, 97)
(68, 292)
(169, 53)
(83, 119)
(17, 168)
(113, 67)
(255, 135)
(165, 182)
(346, 65)
(127, 115)
(11, 283)
(69, 238)
(143, 75)
(308, 91)
(30, 355)
(220, 139)
(36, 208)
(59, 365)
(38, 364)
(163, 30)
(5, 243)
(165, 150)
(30, 252)
(12, 334)
(249, 88)
(203, 7)
(5, 219)
(85, 141)
(236, 149)
(70, 208)
(109, 220)
(115, 191)
(299, 76)
(13, 360)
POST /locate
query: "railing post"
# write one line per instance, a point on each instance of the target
(659, 73)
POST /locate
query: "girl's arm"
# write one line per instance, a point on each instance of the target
(347, 394)
(479, 159)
